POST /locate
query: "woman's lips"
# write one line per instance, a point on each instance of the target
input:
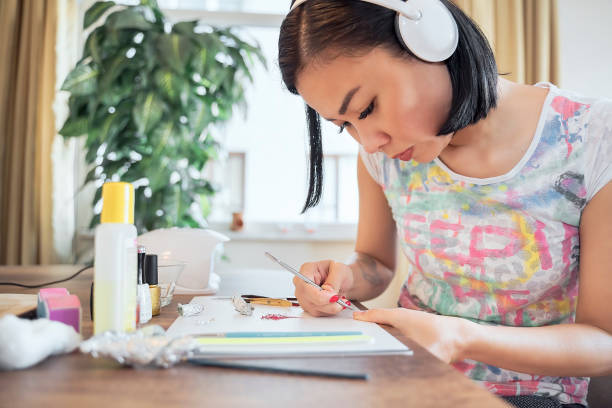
(406, 155)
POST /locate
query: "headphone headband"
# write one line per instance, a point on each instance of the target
(404, 8)
(425, 27)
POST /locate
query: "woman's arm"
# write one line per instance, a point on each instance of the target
(373, 263)
(580, 349)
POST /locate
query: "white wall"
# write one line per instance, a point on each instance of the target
(585, 31)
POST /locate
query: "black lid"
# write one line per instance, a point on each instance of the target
(151, 269)
(141, 267)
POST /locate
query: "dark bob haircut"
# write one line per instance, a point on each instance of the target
(324, 28)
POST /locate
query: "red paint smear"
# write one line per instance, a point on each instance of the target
(273, 316)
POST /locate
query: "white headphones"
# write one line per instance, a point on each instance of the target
(425, 27)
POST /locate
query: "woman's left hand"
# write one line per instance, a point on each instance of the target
(443, 336)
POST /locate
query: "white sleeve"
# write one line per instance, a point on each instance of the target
(599, 148)
(372, 163)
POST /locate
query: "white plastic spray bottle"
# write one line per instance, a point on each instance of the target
(115, 262)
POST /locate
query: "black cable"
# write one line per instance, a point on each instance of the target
(48, 283)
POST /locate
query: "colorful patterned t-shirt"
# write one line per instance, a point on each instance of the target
(504, 250)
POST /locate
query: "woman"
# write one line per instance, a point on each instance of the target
(499, 194)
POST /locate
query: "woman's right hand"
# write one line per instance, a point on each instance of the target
(335, 278)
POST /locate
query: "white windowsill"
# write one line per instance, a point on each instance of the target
(265, 232)
(289, 232)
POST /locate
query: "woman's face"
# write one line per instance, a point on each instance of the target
(389, 104)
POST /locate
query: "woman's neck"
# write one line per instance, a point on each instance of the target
(492, 146)
(492, 130)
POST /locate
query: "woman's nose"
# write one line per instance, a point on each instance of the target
(372, 140)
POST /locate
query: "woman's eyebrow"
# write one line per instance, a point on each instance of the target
(347, 100)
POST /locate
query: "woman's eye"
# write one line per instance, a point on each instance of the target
(362, 116)
(367, 111)
(342, 126)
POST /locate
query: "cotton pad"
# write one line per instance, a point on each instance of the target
(24, 343)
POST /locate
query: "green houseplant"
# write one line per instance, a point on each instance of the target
(145, 94)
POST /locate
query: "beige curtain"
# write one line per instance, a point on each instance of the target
(523, 34)
(27, 129)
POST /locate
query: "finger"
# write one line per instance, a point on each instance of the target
(382, 316)
(318, 310)
(313, 293)
(314, 299)
(319, 303)
(334, 279)
(316, 271)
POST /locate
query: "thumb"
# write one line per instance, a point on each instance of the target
(382, 316)
(334, 279)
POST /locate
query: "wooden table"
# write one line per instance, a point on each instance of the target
(80, 380)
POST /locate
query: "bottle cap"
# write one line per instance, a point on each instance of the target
(151, 269)
(141, 267)
(117, 203)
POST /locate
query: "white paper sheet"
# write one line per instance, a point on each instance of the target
(219, 316)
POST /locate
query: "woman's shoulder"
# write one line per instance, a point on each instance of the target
(570, 103)
(586, 124)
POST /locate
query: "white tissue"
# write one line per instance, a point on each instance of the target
(24, 343)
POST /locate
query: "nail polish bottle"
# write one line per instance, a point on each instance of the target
(144, 295)
(154, 289)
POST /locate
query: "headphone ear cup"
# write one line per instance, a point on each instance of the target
(434, 36)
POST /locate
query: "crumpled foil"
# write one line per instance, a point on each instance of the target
(190, 309)
(242, 306)
(148, 346)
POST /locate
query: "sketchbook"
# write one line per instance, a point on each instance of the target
(219, 316)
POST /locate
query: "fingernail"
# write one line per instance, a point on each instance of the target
(334, 299)
(348, 302)
(343, 307)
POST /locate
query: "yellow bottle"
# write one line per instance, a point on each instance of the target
(115, 262)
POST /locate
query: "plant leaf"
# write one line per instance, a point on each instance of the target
(112, 125)
(172, 86)
(174, 50)
(199, 116)
(185, 28)
(82, 80)
(115, 94)
(114, 69)
(147, 111)
(92, 45)
(74, 127)
(136, 18)
(162, 135)
(95, 12)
